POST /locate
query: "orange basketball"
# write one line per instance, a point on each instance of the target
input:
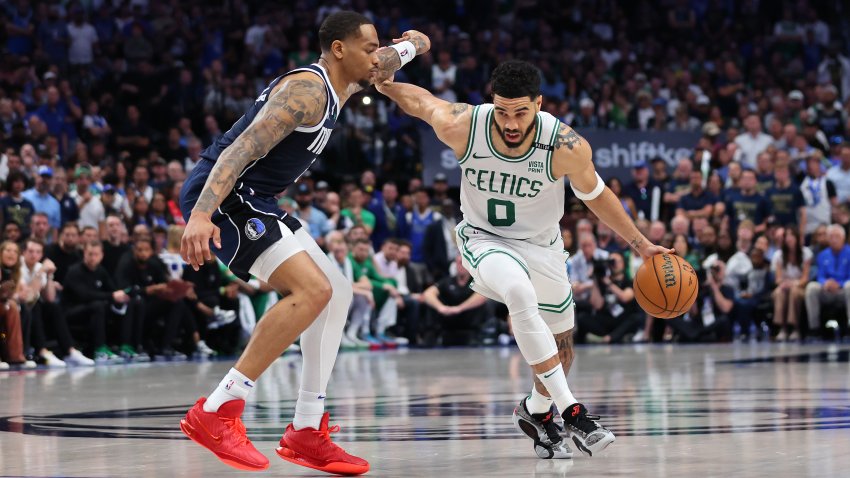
(666, 286)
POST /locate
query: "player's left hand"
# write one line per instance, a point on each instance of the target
(653, 249)
(419, 40)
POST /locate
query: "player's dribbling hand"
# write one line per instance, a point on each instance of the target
(195, 244)
(653, 249)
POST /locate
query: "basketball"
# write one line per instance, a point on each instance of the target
(666, 286)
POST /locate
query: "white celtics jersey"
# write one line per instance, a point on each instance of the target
(517, 198)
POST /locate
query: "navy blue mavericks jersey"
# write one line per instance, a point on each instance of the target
(268, 176)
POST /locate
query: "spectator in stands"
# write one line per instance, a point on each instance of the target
(145, 275)
(40, 229)
(14, 207)
(42, 200)
(456, 311)
(832, 286)
(12, 232)
(90, 207)
(746, 204)
(785, 200)
(819, 195)
(356, 213)
(791, 267)
(641, 191)
(140, 186)
(616, 186)
(12, 348)
(438, 247)
(213, 299)
(388, 213)
(114, 246)
(87, 294)
(317, 222)
(753, 141)
(416, 224)
(38, 294)
(678, 187)
(383, 291)
(363, 302)
(697, 202)
(615, 311)
(709, 317)
(411, 279)
(387, 266)
(66, 253)
(440, 192)
(581, 270)
(839, 174)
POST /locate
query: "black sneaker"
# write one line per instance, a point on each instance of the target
(589, 436)
(541, 427)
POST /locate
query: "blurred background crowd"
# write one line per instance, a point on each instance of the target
(106, 105)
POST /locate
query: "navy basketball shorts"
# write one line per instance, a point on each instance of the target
(256, 237)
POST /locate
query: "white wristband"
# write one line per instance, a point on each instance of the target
(600, 186)
(406, 51)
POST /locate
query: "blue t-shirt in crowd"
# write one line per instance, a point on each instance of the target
(689, 202)
(740, 207)
(834, 266)
(784, 203)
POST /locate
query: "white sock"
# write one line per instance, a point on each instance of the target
(537, 402)
(234, 386)
(308, 410)
(555, 382)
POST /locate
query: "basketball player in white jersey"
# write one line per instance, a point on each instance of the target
(513, 159)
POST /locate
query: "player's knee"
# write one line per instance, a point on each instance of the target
(320, 293)
(521, 298)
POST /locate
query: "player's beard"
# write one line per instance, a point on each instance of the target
(512, 144)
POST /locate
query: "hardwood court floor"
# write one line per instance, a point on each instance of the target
(678, 411)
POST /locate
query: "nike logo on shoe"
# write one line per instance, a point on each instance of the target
(321, 397)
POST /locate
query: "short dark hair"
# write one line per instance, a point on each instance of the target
(405, 243)
(13, 177)
(93, 244)
(339, 26)
(515, 79)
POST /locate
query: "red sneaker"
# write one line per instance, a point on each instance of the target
(224, 434)
(314, 449)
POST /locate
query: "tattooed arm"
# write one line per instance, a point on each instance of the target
(573, 158)
(301, 100)
(451, 121)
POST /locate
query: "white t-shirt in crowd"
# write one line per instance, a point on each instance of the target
(81, 48)
(790, 271)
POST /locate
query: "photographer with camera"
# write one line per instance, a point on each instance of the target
(580, 269)
(612, 299)
(709, 317)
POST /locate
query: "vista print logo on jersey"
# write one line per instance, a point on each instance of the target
(254, 229)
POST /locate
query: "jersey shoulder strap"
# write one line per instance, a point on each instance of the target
(477, 126)
(549, 126)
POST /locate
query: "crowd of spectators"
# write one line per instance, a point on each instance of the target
(105, 106)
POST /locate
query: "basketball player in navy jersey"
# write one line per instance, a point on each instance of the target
(229, 199)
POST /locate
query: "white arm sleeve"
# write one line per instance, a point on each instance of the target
(600, 186)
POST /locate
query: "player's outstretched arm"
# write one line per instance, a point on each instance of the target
(299, 101)
(573, 158)
(392, 58)
(451, 121)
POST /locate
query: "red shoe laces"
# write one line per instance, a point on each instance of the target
(239, 428)
(326, 434)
